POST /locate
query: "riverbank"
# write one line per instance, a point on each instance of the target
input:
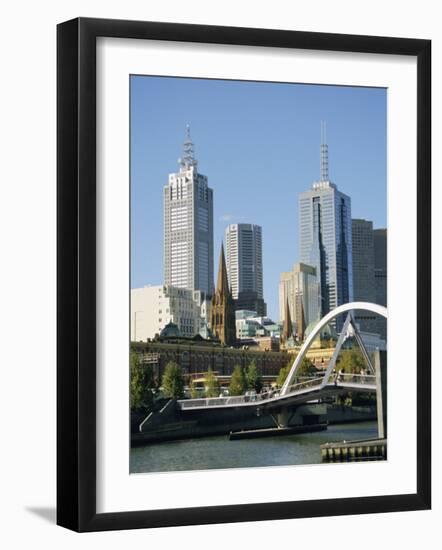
(170, 424)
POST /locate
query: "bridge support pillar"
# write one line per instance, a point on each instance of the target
(380, 362)
(283, 418)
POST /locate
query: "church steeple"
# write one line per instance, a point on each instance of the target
(300, 318)
(287, 329)
(222, 283)
(222, 313)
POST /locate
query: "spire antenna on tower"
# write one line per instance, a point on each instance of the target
(188, 159)
(323, 153)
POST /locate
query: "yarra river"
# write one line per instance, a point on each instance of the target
(219, 452)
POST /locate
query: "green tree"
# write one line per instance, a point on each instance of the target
(350, 359)
(238, 381)
(211, 384)
(141, 383)
(254, 381)
(193, 389)
(173, 381)
(283, 373)
(307, 368)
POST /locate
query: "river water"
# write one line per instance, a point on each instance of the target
(219, 452)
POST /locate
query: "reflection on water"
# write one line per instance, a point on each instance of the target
(219, 452)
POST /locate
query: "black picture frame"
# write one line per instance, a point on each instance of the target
(76, 273)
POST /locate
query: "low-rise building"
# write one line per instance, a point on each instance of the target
(195, 356)
(153, 307)
(267, 343)
(244, 314)
(247, 328)
(249, 325)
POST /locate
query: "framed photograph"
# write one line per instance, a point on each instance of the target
(243, 247)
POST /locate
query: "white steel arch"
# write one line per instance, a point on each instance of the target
(351, 306)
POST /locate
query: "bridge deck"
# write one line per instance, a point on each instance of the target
(301, 394)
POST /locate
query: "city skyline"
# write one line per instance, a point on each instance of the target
(250, 189)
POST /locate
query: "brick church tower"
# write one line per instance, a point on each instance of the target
(222, 311)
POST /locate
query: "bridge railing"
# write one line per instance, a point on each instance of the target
(228, 400)
(305, 385)
(301, 383)
(213, 401)
(352, 378)
(300, 386)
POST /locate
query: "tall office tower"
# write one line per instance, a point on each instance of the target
(222, 311)
(325, 237)
(188, 226)
(380, 275)
(299, 291)
(363, 271)
(244, 266)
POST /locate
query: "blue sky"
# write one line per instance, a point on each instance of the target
(258, 143)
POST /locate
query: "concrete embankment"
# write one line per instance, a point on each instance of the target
(171, 423)
(352, 451)
(337, 414)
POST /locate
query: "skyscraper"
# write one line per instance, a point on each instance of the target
(188, 226)
(299, 291)
(363, 271)
(325, 237)
(380, 265)
(222, 311)
(244, 266)
(380, 275)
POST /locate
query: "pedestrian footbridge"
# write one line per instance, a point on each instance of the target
(300, 390)
(310, 389)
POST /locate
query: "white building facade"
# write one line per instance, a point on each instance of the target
(153, 307)
(188, 226)
(244, 265)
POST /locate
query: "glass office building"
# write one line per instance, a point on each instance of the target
(325, 235)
